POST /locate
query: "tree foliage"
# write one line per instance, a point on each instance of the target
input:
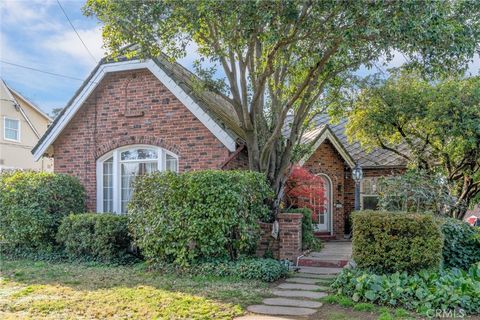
(434, 125)
(417, 191)
(290, 57)
(305, 190)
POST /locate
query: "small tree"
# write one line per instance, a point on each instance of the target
(434, 125)
(305, 190)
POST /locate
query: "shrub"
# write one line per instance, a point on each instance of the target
(32, 204)
(309, 241)
(181, 218)
(99, 236)
(267, 270)
(389, 242)
(461, 247)
(426, 290)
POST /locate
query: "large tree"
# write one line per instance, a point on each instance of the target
(434, 125)
(283, 60)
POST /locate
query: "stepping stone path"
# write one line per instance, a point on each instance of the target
(298, 295)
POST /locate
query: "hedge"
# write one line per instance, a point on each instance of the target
(96, 236)
(181, 218)
(462, 244)
(32, 204)
(388, 242)
(427, 290)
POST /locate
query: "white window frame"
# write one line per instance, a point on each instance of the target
(5, 129)
(162, 160)
(329, 218)
(362, 190)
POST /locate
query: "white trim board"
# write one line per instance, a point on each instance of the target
(166, 80)
(328, 134)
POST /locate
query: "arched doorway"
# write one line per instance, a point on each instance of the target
(322, 216)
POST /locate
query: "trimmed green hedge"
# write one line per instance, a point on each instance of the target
(422, 292)
(462, 244)
(388, 242)
(181, 218)
(32, 204)
(98, 236)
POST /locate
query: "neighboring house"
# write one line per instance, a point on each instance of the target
(21, 126)
(137, 116)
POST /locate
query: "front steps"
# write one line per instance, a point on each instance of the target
(334, 254)
(320, 262)
(324, 236)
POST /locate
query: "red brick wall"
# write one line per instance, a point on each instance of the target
(133, 107)
(267, 244)
(239, 161)
(290, 236)
(328, 161)
(288, 244)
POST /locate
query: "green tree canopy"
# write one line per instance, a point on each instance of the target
(285, 60)
(434, 125)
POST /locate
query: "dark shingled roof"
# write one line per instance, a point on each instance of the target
(375, 158)
(212, 103)
(219, 109)
(223, 113)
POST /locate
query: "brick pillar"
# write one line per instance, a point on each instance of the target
(290, 235)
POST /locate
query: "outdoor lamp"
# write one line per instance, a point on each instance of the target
(357, 173)
(357, 176)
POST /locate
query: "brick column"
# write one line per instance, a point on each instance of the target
(290, 235)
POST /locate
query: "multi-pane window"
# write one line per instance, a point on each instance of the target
(369, 193)
(108, 185)
(121, 167)
(11, 129)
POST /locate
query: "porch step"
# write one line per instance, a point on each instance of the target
(281, 311)
(325, 236)
(308, 261)
(320, 270)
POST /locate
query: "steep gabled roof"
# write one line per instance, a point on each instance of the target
(373, 159)
(210, 108)
(318, 136)
(13, 95)
(30, 103)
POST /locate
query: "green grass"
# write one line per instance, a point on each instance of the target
(383, 313)
(340, 300)
(31, 289)
(364, 307)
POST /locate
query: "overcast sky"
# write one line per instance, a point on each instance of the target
(35, 33)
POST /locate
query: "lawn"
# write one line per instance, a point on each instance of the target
(32, 290)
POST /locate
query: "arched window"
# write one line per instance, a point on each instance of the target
(117, 170)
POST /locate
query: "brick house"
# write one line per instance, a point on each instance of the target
(136, 116)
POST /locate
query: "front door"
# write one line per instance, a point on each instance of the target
(324, 208)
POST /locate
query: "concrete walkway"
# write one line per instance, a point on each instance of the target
(296, 296)
(299, 295)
